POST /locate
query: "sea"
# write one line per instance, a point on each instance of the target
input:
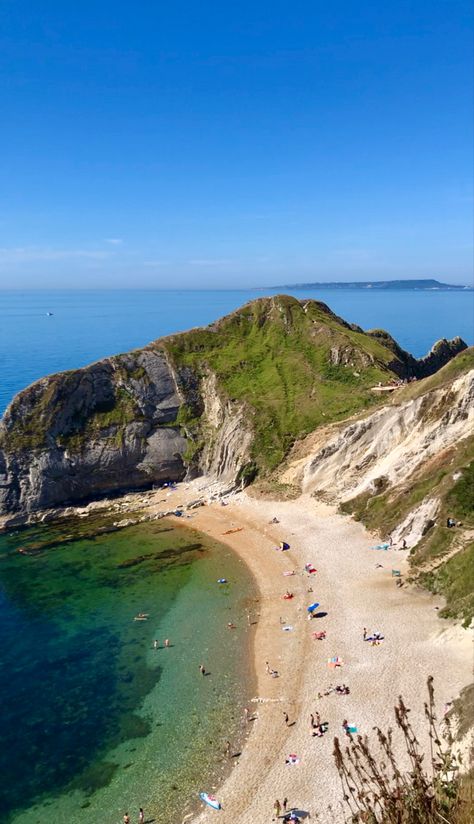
(95, 722)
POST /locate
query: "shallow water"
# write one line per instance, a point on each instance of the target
(96, 722)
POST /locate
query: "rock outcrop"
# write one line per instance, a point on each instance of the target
(92, 431)
(386, 447)
(406, 366)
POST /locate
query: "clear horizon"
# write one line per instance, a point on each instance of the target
(197, 146)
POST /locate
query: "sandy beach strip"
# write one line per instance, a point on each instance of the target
(355, 592)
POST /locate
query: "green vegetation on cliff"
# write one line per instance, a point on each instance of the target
(294, 365)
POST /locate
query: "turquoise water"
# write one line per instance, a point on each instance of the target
(96, 722)
(88, 325)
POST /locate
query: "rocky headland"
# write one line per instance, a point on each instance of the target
(228, 401)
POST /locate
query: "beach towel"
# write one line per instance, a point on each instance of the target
(292, 759)
(335, 662)
(287, 628)
(381, 546)
(312, 607)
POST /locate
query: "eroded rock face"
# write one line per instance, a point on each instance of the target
(115, 425)
(96, 430)
(389, 445)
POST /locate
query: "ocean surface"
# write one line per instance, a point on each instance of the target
(88, 325)
(94, 721)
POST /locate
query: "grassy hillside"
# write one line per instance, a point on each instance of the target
(294, 364)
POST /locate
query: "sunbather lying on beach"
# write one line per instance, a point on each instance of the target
(321, 729)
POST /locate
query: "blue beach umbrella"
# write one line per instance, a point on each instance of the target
(312, 607)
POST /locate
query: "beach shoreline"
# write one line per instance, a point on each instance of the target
(356, 590)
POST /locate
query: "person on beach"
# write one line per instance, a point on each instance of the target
(312, 722)
(227, 749)
(287, 720)
(246, 715)
(267, 667)
(365, 634)
(318, 719)
(285, 804)
(141, 816)
(276, 810)
(202, 669)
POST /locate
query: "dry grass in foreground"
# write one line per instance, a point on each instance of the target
(377, 790)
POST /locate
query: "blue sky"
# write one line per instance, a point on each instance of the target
(234, 144)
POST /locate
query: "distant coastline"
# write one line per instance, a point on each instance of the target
(424, 284)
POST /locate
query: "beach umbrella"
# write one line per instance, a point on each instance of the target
(312, 607)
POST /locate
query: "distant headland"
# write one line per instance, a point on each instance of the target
(425, 284)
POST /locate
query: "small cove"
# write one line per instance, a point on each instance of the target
(95, 721)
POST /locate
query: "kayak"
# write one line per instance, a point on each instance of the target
(211, 800)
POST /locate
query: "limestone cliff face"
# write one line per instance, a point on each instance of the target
(123, 423)
(383, 449)
(387, 453)
(99, 429)
(228, 435)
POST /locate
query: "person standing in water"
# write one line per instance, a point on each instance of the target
(126, 819)
(141, 816)
(202, 669)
